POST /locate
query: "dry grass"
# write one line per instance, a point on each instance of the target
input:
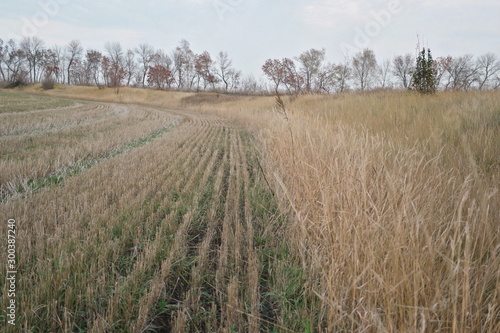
(127, 95)
(392, 203)
(135, 242)
(65, 134)
(396, 204)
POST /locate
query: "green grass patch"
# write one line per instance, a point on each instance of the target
(282, 278)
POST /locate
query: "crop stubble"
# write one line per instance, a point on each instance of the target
(160, 237)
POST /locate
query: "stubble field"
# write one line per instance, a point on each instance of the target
(157, 212)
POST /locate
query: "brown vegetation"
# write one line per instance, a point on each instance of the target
(388, 218)
(158, 237)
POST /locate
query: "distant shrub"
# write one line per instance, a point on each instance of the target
(48, 84)
(19, 83)
(19, 80)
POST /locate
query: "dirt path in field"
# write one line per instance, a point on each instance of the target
(168, 237)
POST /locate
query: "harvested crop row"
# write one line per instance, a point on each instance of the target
(37, 145)
(153, 238)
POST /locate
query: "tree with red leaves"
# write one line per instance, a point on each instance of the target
(113, 73)
(273, 69)
(283, 72)
(204, 66)
(160, 77)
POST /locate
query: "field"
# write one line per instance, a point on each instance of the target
(149, 211)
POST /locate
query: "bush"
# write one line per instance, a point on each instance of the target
(48, 83)
(18, 80)
(17, 83)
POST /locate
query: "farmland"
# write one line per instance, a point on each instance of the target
(168, 211)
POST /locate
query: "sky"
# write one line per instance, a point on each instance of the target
(252, 31)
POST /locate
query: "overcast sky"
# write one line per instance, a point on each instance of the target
(252, 31)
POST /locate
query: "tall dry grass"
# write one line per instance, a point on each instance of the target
(395, 203)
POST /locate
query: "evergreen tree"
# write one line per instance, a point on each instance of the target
(424, 77)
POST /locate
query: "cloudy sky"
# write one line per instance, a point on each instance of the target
(252, 31)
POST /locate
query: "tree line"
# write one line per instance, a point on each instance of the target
(311, 73)
(30, 61)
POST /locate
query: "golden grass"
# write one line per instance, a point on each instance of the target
(392, 202)
(396, 204)
(126, 95)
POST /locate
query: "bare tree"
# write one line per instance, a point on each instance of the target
(384, 74)
(73, 52)
(234, 77)
(163, 59)
(115, 53)
(14, 62)
(364, 67)
(93, 59)
(79, 74)
(250, 85)
(61, 54)
(59, 59)
(326, 78)
(496, 83)
(462, 73)
(283, 72)
(224, 67)
(145, 53)
(441, 65)
(51, 66)
(184, 66)
(402, 68)
(130, 65)
(488, 66)
(334, 77)
(7, 50)
(293, 80)
(311, 62)
(33, 48)
(343, 73)
(3, 56)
